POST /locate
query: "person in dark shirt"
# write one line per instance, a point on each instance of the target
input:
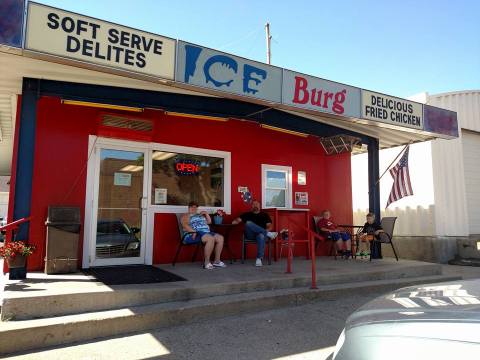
(370, 229)
(342, 239)
(258, 225)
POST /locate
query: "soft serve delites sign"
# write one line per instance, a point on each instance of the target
(200, 66)
(61, 33)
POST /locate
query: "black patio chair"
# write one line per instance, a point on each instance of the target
(387, 224)
(183, 235)
(332, 250)
(246, 241)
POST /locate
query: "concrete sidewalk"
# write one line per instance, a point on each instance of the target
(299, 332)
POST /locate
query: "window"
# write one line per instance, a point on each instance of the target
(276, 186)
(178, 178)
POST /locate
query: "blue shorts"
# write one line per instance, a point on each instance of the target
(340, 235)
(198, 239)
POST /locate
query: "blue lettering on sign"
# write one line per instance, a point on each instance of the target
(250, 73)
(247, 72)
(223, 60)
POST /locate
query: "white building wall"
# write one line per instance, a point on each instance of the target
(471, 165)
(452, 215)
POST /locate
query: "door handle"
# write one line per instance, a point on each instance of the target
(143, 203)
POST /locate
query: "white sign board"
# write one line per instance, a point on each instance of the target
(317, 94)
(302, 178)
(56, 32)
(200, 66)
(160, 196)
(392, 110)
(122, 179)
(301, 198)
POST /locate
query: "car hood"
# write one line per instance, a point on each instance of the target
(106, 240)
(457, 301)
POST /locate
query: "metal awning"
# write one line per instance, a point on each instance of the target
(20, 66)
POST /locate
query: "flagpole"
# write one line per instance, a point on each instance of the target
(388, 167)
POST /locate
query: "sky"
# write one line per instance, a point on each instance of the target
(396, 47)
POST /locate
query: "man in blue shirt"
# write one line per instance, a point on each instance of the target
(197, 223)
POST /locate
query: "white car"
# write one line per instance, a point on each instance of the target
(437, 321)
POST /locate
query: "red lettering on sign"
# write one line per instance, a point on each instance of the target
(188, 168)
(327, 100)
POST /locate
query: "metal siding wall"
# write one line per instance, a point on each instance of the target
(452, 217)
(465, 103)
(471, 156)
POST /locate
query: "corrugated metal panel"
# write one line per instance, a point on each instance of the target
(465, 103)
(451, 216)
(451, 210)
(471, 156)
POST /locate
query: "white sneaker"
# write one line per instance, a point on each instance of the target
(258, 262)
(272, 235)
(209, 266)
(219, 264)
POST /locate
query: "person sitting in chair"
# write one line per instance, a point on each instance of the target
(257, 226)
(198, 224)
(342, 239)
(371, 228)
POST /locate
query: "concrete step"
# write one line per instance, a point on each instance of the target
(38, 333)
(32, 305)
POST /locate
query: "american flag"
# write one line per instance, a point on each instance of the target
(401, 179)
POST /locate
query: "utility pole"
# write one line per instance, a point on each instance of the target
(269, 38)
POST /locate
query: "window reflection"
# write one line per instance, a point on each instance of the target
(180, 178)
(435, 296)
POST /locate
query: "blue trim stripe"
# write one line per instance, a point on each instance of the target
(25, 157)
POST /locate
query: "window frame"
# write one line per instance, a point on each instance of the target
(225, 155)
(288, 189)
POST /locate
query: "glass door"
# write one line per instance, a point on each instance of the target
(120, 208)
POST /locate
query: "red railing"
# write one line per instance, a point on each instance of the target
(311, 236)
(14, 225)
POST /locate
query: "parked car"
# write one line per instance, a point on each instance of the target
(115, 238)
(438, 321)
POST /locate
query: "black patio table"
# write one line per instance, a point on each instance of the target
(353, 248)
(225, 229)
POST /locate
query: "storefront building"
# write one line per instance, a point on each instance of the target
(130, 126)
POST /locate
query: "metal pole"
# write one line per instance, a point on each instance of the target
(268, 38)
(313, 255)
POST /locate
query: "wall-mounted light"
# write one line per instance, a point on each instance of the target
(195, 116)
(291, 132)
(102, 106)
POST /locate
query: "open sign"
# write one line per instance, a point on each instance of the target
(187, 167)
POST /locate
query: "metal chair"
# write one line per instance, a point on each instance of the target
(183, 235)
(387, 224)
(327, 237)
(246, 241)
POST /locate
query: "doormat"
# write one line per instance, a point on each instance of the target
(131, 274)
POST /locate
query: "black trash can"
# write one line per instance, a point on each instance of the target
(63, 235)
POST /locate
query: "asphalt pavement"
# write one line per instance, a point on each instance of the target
(300, 332)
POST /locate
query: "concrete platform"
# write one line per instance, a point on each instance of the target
(47, 310)
(43, 295)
